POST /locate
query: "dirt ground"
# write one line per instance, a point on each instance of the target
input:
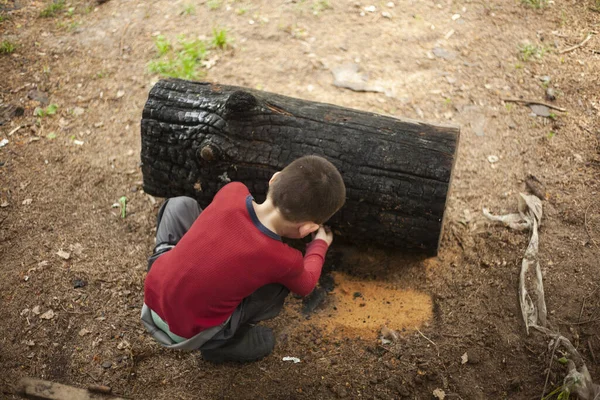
(444, 61)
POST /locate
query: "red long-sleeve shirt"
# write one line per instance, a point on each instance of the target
(225, 256)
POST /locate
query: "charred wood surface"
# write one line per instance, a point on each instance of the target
(197, 137)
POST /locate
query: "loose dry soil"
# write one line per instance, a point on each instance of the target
(440, 61)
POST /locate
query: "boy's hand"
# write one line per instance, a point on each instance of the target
(324, 233)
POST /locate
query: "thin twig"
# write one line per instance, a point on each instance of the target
(14, 130)
(586, 224)
(123, 37)
(556, 342)
(581, 311)
(568, 49)
(541, 103)
(429, 340)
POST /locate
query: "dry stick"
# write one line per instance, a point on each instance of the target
(581, 311)
(524, 101)
(556, 342)
(14, 130)
(568, 49)
(122, 37)
(430, 341)
(586, 225)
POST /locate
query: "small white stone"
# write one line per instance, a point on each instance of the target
(390, 4)
(455, 17)
(370, 9)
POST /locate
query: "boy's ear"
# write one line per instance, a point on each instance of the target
(273, 177)
(307, 228)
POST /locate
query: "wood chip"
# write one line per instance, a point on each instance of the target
(63, 254)
(47, 315)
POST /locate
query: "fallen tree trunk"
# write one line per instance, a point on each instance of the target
(196, 137)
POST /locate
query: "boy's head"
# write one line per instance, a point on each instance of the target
(309, 190)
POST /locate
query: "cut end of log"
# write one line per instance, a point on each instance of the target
(241, 101)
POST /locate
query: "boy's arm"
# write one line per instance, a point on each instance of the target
(306, 281)
(314, 258)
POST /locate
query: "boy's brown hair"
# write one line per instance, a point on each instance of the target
(310, 189)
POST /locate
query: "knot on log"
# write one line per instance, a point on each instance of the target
(241, 101)
(208, 153)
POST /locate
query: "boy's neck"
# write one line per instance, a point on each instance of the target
(270, 217)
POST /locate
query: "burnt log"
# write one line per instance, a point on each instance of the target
(197, 137)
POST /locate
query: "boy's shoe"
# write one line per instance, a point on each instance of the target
(252, 344)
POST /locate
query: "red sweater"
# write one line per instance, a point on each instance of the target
(225, 256)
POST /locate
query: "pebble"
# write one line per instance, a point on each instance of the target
(106, 364)
(443, 53)
(78, 283)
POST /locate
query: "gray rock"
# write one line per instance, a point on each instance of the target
(38, 96)
(440, 52)
(540, 110)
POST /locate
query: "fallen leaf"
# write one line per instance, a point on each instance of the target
(439, 394)
(84, 332)
(123, 345)
(63, 254)
(47, 315)
(36, 310)
(76, 248)
(78, 111)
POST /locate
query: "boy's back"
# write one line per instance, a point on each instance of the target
(215, 273)
(225, 256)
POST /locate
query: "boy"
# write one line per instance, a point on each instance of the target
(215, 273)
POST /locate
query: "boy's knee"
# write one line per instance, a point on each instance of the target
(183, 202)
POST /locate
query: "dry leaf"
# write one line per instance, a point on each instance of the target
(47, 315)
(63, 254)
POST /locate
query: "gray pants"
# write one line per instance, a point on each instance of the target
(175, 218)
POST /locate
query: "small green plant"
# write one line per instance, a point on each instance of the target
(44, 112)
(181, 61)
(53, 8)
(189, 9)
(531, 51)
(7, 47)
(101, 74)
(219, 39)
(241, 11)
(51, 135)
(214, 4)
(162, 45)
(3, 17)
(551, 134)
(319, 6)
(534, 3)
(71, 11)
(508, 106)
